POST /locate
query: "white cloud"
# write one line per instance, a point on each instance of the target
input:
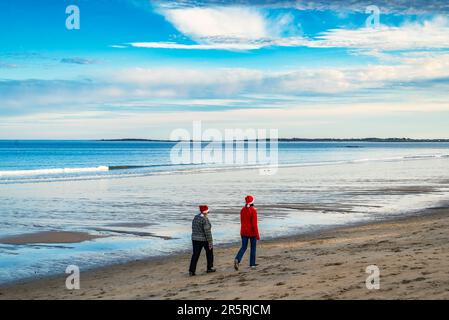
(410, 67)
(249, 28)
(387, 6)
(314, 120)
(186, 82)
(233, 87)
(430, 34)
(214, 46)
(340, 6)
(228, 28)
(228, 44)
(204, 23)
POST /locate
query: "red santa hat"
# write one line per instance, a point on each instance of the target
(249, 199)
(204, 209)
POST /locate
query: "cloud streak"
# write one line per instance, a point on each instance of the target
(76, 60)
(387, 6)
(6, 65)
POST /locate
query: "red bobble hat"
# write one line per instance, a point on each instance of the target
(249, 200)
(204, 209)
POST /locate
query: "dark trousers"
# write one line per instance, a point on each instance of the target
(197, 247)
(252, 257)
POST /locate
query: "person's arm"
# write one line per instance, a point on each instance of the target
(255, 224)
(208, 232)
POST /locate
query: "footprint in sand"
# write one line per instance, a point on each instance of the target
(333, 264)
(407, 281)
(287, 269)
(170, 294)
(196, 292)
(416, 268)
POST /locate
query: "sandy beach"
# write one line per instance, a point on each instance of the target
(411, 253)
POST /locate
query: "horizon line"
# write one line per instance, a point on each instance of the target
(366, 139)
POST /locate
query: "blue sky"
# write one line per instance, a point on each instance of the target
(144, 68)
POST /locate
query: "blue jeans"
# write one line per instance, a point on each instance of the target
(252, 257)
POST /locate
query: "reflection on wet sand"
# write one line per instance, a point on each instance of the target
(49, 237)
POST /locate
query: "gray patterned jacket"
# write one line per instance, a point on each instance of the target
(201, 229)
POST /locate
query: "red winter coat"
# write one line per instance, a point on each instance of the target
(248, 222)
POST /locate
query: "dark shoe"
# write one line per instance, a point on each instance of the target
(191, 273)
(236, 265)
(211, 270)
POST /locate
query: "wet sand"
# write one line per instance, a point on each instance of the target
(412, 255)
(48, 237)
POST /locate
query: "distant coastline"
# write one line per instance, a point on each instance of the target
(299, 140)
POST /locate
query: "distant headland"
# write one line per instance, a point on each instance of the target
(303, 140)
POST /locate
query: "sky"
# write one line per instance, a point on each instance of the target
(141, 69)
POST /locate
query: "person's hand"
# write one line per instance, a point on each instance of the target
(210, 246)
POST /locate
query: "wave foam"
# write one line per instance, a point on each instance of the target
(123, 170)
(38, 172)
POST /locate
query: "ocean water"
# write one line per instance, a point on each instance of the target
(133, 194)
(34, 161)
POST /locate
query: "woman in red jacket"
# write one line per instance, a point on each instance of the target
(249, 232)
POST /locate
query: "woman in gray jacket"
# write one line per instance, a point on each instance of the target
(202, 238)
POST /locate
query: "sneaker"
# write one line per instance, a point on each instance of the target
(191, 273)
(211, 270)
(254, 266)
(236, 265)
